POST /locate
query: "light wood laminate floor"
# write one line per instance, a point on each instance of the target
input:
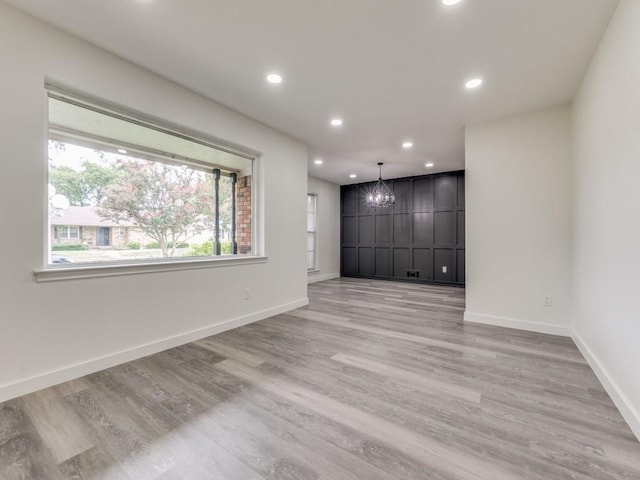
(373, 380)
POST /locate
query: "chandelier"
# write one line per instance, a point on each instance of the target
(381, 195)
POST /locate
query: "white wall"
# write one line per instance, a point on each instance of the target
(328, 236)
(53, 331)
(518, 221)
(606, 275)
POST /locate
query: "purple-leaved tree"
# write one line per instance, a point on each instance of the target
(169, 203)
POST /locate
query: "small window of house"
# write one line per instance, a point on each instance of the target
(66, 232)
(124, 189)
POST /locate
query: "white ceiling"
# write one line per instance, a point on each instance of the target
(392, 69)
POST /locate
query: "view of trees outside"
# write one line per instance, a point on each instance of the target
(171, 205)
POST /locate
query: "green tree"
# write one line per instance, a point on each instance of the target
(97, 178)
(169, 203)
(85, 187)
(68, 182)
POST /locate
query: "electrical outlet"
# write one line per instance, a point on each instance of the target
(548, 301)
(444, 269)
(247, 293)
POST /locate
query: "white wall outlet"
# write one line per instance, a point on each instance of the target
(548, 301)
(444, 269)
(247, 293)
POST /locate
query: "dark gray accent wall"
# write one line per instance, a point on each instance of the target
(413, 240)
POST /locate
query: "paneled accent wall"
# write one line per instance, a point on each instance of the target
(420, 239)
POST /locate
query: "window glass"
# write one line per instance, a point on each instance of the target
(123, 190)
(311, 232)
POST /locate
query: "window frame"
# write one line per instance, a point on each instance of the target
(314, 232)
(67, 229)
(53, 272)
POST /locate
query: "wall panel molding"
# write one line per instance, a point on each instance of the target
(420, 239)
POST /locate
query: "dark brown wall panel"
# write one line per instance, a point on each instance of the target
(384, 232)
(349, 229)
(443, 260)
(444, 228)
(401, 191)
(423, 261)
(445, 191)
(348, 261)
(411, 241)
(423, 228)
(365, 261)
(400, 262)
(383, 262)
(422, 194)
(401, 232)
(365, 229)
(350, 201)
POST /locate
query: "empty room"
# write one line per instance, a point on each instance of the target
(320, 240)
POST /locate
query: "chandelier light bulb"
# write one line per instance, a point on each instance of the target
(381, 196)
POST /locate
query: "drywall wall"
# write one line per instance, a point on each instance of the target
(57, 330)
(606, 144)
(328, 235)
(518, 235)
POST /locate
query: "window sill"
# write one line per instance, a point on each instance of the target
(76, 272)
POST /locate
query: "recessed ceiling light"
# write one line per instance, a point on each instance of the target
(407, 145)
(429, 165)
(318, 161)
(448, 3)
(353, 175)
(336, 122)
(274, 78)
(122, 151)
(473, 83)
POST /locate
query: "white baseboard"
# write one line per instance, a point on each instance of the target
(626, 408)
(313, 277)
(55, 377)
(518, 324)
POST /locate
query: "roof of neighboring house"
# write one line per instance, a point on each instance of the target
(86, 217)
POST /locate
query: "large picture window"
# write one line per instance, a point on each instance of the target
(123, 189)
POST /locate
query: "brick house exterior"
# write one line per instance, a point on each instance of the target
(83, 225)
(243, 206)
